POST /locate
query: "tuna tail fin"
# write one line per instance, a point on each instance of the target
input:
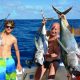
(58, 12)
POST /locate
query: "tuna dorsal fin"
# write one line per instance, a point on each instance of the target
(59, 12)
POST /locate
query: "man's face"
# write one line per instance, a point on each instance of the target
(55, 29)
(8, 28)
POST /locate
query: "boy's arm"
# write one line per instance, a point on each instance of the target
(17, 55)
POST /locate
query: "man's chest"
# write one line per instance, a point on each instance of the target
(53, 46)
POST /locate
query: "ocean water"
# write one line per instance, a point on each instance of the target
(25, 31)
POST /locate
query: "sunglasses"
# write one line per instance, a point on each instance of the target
(53, 28)
(9, 27)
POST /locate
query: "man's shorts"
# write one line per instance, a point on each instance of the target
(7, 69)
(47, 63)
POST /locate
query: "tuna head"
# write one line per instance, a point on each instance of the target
(73, 64)
(39, 59)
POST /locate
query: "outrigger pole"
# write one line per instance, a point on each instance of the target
(1, 26)
(44, 16)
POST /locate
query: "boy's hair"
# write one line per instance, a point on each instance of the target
(11, 22)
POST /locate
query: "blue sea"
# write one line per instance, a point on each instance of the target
(25, 31)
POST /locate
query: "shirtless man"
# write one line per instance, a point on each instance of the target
(53, 55)
(7, 64)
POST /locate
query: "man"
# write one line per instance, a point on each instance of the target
(7, 64)
(52, 58)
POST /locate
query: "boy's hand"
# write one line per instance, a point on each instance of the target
(19, 67)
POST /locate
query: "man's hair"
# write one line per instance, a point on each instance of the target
(56, 24)
(11, 22)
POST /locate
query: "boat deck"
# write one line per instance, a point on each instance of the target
(30, 72)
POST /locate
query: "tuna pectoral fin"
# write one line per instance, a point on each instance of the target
(78, 56)
(58, 12)
(61, 45)
(36, 43)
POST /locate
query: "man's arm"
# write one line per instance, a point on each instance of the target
(63, 17)
(43, 23)
(17, 55)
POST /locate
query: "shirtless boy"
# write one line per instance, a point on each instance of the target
(7, 64)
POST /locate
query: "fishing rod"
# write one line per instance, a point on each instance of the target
(1, 26)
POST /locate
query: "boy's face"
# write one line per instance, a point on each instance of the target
(8, 28)
(55, 29)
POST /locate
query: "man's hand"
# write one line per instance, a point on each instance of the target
(62, 16)
(54, 55)
(51, 57)
(44, 21)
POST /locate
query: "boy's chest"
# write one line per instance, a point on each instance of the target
(7, 41)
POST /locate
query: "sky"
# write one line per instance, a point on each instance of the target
(31, 9)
